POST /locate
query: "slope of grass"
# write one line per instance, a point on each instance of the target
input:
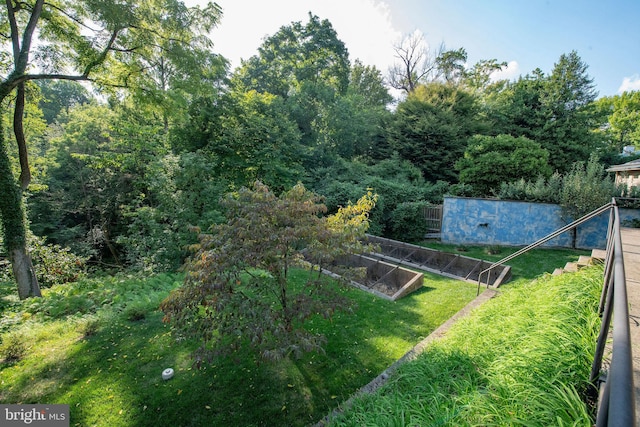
(100, 346)
(521, 359)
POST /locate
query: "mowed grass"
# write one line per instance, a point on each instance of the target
(100, 346)
(525, 267)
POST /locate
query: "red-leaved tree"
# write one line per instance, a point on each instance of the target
(238, 291)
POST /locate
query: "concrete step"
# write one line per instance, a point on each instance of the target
(598, 255)
(557, 272)
(584, 260)
(571, 267)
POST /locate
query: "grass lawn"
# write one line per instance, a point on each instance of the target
(521, 359)
(100, 346)
(524, 267)
(83, 347)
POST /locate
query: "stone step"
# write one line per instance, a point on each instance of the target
(557, 272)
(598, 254)
(571, 267)
(584, 260)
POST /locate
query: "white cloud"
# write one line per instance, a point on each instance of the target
(363, 25)
(510, 72)
(630, 83)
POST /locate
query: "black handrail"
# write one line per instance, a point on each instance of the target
(616, 405)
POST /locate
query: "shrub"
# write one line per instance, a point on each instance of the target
(89, 326)
(53, 264)
(135, 312)
(408, 223)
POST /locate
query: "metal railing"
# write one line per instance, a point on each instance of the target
(542, 241)
(616, 403)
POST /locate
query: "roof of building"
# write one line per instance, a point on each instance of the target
(629, 166)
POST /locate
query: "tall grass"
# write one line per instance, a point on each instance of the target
(523, 359)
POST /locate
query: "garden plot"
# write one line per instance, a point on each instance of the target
(378, 277)
(450, 265)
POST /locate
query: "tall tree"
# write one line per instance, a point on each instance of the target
(419, 64)
(354, 120)
(621, 119)
(568, 94)
(518, 109)
(98, 41)
(431, 129)
(59, 96)
(246, 136)
(478, 77)
(308, 66)
(297, 53)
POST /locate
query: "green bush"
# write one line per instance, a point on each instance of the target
(394, 181)
(53, 264)
(88, 295)
(541, 190)
(408, 223)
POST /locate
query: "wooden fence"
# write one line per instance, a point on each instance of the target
(433, 218)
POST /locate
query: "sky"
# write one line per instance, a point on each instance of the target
(527, 34)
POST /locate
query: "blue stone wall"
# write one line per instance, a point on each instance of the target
(469, 221)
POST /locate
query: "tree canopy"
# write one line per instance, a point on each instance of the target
(122, 178)
(490, 161)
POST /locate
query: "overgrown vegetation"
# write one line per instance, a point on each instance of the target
(522, 358)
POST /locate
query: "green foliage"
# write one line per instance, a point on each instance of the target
(130, 295)
(556, 111)
(395, 181)
(53, 264)
(297, 54)
(583, 189)
(586, 188)
(621, 119)
(66, 365)
(59, 96)
(490, 161)
(11, 205)
(183, 193)
(568, 95)
(431, 129)
(407, 221)
(541, 190)
(246, 136)
(13, 347)
(237, 292)
(518, 109)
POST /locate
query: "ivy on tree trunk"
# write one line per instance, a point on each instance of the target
(13, 227)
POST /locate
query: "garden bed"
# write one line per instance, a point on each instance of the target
(446, 264)
(378, 277)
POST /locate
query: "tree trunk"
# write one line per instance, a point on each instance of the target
(24, 273)
(13, 226)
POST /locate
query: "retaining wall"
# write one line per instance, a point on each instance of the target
(471, 221)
